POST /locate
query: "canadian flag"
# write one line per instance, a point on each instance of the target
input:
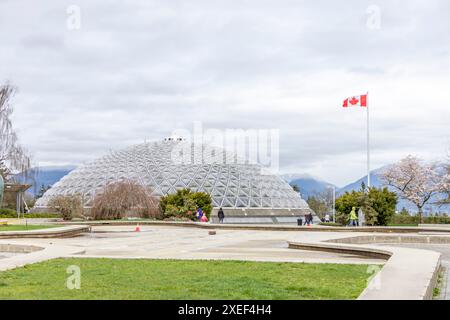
(356, 101)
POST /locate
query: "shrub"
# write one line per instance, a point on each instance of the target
(175, 199)
(408, 219)
(383, 203)
(330, 224)
(204, 201)
(437, 220)
(68, 206)
(38, 215)
(184, 204)
(172, 210)
(344, 205)
(378, 205)
(7, 213)
(119, 197)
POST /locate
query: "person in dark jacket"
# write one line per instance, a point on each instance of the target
(307, 222)
(308, 219)
(221, 215)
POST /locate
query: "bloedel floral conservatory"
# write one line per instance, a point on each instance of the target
(244, 190)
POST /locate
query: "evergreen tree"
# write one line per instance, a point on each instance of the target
(378, 205)
(43, 189)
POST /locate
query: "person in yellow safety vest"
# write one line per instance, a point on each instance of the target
(353, 217)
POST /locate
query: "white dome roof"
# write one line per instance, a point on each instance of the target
(175, 164)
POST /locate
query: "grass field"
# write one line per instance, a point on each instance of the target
(183, 279)
(21, 227)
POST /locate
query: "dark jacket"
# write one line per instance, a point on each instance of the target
(220, 214)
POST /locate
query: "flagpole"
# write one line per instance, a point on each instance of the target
(368, 142)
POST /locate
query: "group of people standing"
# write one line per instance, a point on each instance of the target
(352, 217)
(201, 217)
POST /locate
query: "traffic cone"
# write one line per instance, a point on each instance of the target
(138, 228)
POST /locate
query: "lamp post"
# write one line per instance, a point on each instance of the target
(2, 186)
(334, 202)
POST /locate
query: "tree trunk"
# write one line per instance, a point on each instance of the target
(420, 215)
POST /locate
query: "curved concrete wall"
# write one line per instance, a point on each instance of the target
(409, 274)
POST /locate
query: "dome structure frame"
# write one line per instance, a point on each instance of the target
(240, 187)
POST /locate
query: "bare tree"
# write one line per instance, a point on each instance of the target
(69, 206)
(119, 197)
(415, 181)
(12, 155)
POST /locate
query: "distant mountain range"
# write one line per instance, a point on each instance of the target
(307, 184)
(46, 176)
(375, 181)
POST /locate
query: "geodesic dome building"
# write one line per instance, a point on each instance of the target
(242, 189)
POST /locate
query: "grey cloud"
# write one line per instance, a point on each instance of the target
(139, 69)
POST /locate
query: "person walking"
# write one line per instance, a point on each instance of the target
(204, 218)
(353, 217)
(221, 215)
(308, 219)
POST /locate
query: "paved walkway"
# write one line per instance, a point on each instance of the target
(4, 255)
(162, 242)
(444, 249)
(49, 252)
(192, 243)
(58, 232)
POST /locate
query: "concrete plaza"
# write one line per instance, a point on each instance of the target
(158, 242)
(410, 272)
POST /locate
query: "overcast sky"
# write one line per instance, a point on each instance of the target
(136, 70)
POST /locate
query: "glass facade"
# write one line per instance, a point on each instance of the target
(170, 165)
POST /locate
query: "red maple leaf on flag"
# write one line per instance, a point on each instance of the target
(354, 101)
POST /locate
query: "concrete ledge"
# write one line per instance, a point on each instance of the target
(39, 254)
(372, 253)
(429, 239)
(60, 232)
(428, 226)
(409, 274)
(38, 220)
(263, 227)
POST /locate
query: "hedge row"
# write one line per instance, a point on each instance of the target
(407, 219)
(9, 213)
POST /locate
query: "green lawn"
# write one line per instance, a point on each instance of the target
(184, 279)
(21, 227)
